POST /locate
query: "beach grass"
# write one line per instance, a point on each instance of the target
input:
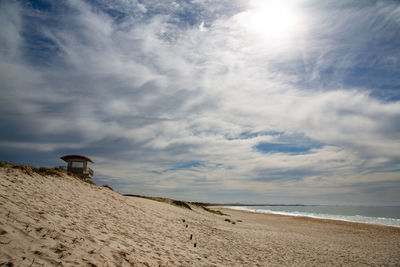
(214, 211)
(174, 202)
(107, 186)
(181, 204)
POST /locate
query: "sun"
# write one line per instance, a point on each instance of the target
(271, 19)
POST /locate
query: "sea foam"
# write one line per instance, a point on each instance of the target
(348, 218)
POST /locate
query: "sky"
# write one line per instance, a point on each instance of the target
(222, 101)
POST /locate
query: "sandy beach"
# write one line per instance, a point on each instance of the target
(62, 221)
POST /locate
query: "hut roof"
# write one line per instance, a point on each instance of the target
(72, 157)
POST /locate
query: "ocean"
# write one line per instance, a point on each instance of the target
(381, 215)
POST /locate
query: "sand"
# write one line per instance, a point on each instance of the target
(62, 221)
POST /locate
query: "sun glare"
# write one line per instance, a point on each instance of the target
(270, 19)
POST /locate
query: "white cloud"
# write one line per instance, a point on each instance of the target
(147, 96)
(11, 23)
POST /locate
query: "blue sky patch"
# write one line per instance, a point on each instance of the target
(297, 143)
(187, 165)
(282, 148)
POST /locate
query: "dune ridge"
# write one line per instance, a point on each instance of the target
(59, 220)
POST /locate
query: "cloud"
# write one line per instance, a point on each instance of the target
(176, 98)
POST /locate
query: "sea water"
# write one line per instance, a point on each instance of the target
(381, 215)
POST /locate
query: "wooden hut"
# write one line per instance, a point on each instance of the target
(78, 165)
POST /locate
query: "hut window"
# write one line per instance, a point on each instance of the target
(77, 164)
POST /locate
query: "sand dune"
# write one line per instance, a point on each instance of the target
(62, 221)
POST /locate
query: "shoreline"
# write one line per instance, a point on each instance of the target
(247, 213)
(313, 217)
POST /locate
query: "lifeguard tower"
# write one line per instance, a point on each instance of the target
(78, 165)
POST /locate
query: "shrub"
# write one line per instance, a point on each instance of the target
(214, 211)
(107, 186)
(181, 204)
(48, 171)
(26, 169)
(4, 163)
(86, 180)
(59, 168)
(229, 221)
(164, 200)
